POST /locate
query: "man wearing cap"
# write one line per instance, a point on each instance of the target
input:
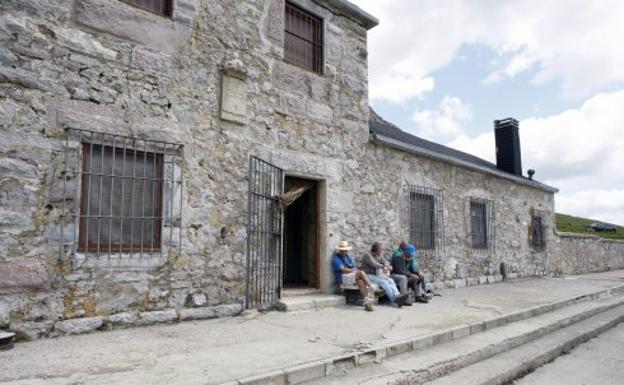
(378, 270)
(346, 273)
(404, 262)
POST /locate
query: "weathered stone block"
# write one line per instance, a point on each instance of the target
(152, 317)
(123, 319)
(78, 325)
(32, 330)
(4, 314)
(26, 79)
(197, 313)
(234, 99)
(228, 310)
(321, 112)
(24, 274)
(136, 25)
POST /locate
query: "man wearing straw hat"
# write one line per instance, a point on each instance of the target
(347, 274)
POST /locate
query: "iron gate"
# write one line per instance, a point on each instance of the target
(264, 234)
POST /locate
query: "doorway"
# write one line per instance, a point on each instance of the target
(301, 242)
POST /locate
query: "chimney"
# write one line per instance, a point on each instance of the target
(508, 146)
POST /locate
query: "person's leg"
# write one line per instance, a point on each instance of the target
(359, 274)
(411, 282)
(388, 287)
(392, 287)
(362, 286)
(401, 282)
(423, 283)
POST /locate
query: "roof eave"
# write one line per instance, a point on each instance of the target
(356, 13)
(458, 162)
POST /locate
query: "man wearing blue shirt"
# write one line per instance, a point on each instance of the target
(346, 273)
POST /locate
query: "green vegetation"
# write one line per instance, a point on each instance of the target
(570, 224)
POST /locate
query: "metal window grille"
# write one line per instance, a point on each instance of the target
(537, 232)
(303, 39)
(481, 224)
(160, 7)
(128, 195)
(426, 218)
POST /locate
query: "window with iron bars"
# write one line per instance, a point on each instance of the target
(537, 232)
(481, 224)
(303, 39)
(159, 7)
(426, 219)
(124, 195)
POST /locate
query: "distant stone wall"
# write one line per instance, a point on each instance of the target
(580, 253)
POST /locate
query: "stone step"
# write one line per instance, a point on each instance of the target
(310, 302)
(434, 355)
(515, 363)
(480, 356)
(295, 292)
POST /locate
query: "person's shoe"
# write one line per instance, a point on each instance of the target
(408, 302)
(368, 306)
(402, 299)
(422, 299)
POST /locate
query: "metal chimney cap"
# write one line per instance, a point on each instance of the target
(506, 122)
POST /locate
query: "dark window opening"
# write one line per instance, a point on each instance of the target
(303, 39)
(478, 224)
(160, 7)
(537, 233)
(121, 200)
(422, 221)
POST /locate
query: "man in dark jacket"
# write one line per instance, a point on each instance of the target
(404, 262)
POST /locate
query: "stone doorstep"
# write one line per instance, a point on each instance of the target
(352, 360)
(310, 302)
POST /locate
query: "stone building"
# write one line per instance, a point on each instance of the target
(146, 144)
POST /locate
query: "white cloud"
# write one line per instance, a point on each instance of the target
(444, 123)
(580, 151)
(576, 42)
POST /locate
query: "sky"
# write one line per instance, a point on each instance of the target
(445, 70)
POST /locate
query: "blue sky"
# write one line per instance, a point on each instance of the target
(444, 70)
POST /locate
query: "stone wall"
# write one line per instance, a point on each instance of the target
(582, 253)
(212, 78)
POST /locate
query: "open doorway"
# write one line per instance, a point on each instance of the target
(301, 243)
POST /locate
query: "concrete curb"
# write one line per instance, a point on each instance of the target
(314, 370)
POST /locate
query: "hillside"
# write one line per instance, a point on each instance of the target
(570, 224)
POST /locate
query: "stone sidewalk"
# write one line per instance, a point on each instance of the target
(221, 350)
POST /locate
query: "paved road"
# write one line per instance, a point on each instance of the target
(215, 351)
(599, 361)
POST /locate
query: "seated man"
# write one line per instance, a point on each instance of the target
(346, 273)
(378, 270)
(404, 262)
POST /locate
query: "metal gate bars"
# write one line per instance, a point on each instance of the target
(264, 234)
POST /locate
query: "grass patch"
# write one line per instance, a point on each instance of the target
(570, 224)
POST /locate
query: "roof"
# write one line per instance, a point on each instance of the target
(387, 133)
(356, 13)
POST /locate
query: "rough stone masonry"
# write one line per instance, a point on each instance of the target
(212, 78)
